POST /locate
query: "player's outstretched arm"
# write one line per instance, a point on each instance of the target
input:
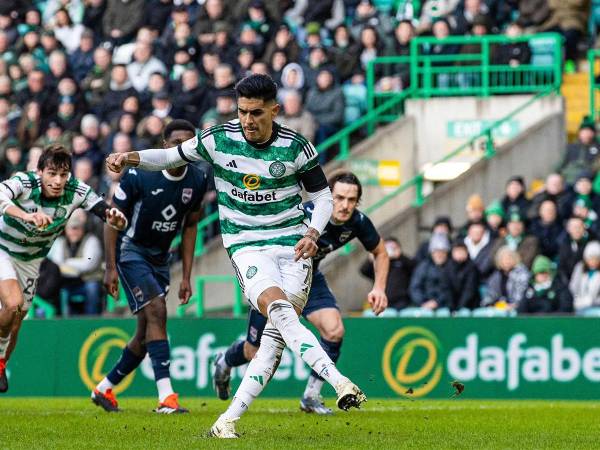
(9, 191)
(156, 159)
(381, 262)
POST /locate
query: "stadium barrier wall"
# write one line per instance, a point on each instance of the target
(537, 358)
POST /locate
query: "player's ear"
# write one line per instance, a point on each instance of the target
(275, 110)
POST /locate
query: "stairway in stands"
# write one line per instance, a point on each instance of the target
(575, 89)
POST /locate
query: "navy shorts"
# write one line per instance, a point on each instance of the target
(142, 281)
(320, 297)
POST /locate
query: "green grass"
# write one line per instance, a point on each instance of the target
(278, 424)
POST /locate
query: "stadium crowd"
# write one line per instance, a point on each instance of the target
(104, 76)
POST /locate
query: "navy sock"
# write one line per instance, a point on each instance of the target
(127, 363)
(160, 355)
(333, 351)
(234, 356)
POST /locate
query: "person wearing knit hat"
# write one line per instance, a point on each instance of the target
(441, 225)
(430, 285)
(583, 208)
(546, 293)
(494, 218)
(585, 281)
(475, 208)
(464, 278)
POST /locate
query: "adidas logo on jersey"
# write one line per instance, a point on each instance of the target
(232, 164)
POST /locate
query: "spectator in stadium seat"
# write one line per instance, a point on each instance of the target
(92, 16)
(82, 149)
(370, 46)
(90, 128)
(67, 116)
(224, 44)
(37, 91)
(292, 79)
(515, 53)
(464, 278)
(211, 13)
(318, 60)
(13, 160)
(59, 68)
(367, 15)
(479, 244)
(179, 15)
(581, 155)
(546, 293)
(514, 199)
(245, 59)
(190, 95)
(475, 210)
(516, 239)
(278, 61)
(583, 209)
(547, 227)
(399, 275)
(400, 46)
(68, 33)
(120, 87)
(5, 135)
(248, 37)
(441, 225)
(79, 256)
(144, 64)
(507, 285)
(325, 102)
(532, 13)
(122, 19)
(259, 19)
(463, 19)
(74, 8)
(33, 157)
(83, 169)
(441, 30)
(29, 128)
(210, 61)
(430, 287)
(82, 58)
(324, 12)
(296, 117)
(572, 244)
(583, 189)
(554, 190)
(569, 18)
(585, 280)
(283, 40)
(225, 110)
(149, 132)
(97, 81)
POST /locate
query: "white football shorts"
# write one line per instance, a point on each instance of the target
(25, 272)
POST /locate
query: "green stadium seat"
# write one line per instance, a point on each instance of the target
(589, 312)
(491, 312)
(416, 312)
(542, 53)
(463, 312)
(65, 300)
(442, 312)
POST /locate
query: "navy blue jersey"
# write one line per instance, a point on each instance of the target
(156, 204)
(335, 236)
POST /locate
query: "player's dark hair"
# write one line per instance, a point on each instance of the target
(178, 125)
(345, 177)
(56, 156)
(257, 86)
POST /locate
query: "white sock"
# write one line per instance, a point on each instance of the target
(164, 388)
(4, 346)
(259, 372)
(302, 342)
(313, 387)
(104, 385)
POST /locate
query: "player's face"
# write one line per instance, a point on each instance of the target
(345, 199)
(256, 117)
(53, 181)
(177, 137)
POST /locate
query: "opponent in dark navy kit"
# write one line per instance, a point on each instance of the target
(158, 205)
(321, 310)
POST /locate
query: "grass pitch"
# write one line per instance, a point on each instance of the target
(278, 424)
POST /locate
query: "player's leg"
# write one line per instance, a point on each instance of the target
(259, 373)
(282, 309)
(238, 354)
(132, 356)
(322, 311)
(14, 333)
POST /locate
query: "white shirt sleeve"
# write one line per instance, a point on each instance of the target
(192, 150)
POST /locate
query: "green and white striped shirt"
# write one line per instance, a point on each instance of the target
(24, 241)
(258, 186)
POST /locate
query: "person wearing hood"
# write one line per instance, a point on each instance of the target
(547, 228)
(516, 239)
(326, 103)
(430, 285)
(546, 293)
(464, 278)
(585, 281)
(582, 154)
(571, 247)
(514, 199)
(292, 79)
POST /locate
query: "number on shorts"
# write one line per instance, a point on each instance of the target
(307, 279)
(30, 285)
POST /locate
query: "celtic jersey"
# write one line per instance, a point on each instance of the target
(258, 185)
(24, 241)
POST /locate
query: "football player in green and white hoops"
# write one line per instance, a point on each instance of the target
(34, 209)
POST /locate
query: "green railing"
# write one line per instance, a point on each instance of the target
(470, 73)
(489, 152)
(197, 299)
(593, 57)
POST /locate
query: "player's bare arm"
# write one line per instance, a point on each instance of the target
(381, 261)
(188, 245)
